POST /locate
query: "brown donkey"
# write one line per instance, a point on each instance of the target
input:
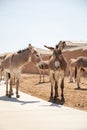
(81, 65)
(57, 66)
(2, 57)
(42, 66)
(1, 68)
(14, 63)
(71, 67)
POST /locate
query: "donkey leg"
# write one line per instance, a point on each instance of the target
(52, 84)
(78, 78)
(6, 80)
(71, 76)
(51, 94)
(14, 80)
(62, 89)
(10, 89)
(43, 75)
(39, 76)
(56, 90)
(78, 81)
(17, 85)
(6, 88)
(0, 74)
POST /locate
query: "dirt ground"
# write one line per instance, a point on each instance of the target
(29, 83)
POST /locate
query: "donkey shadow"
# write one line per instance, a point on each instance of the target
(83, 89)
(5, 98)
(57, 101)
(42, 82)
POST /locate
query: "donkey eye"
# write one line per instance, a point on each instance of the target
(37, 55)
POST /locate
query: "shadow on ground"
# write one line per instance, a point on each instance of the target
(5, 98)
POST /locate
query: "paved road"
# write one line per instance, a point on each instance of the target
(31, 113)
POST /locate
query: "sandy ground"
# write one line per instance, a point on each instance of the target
(73, 97)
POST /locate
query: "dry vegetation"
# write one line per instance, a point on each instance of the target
(73, 97)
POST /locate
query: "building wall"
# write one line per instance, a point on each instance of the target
(31, 68)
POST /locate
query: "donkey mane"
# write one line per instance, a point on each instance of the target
(23, 50)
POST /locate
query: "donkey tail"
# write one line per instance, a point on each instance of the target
(75, 72)
(9, 76)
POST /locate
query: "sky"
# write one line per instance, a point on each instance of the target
(41, 22)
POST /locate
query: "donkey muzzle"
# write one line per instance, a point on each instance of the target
(57, 64)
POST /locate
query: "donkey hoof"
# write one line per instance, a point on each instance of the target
(6, 94)
(62, 101)
(12, 93)
(9, 95)
(55, 97)
(17, 96)
(51, 98)
(78, 87)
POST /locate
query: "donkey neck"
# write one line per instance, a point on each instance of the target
(63, 64)
(21, 58)
(24, 56)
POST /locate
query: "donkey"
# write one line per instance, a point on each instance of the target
(42, 66)
(1, 68)
(57, 66)
(2, 57)
(81, 64)
(71, 67)
(14, 63)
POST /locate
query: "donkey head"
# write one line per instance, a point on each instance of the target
(56, 60)
(35, 55)
(61, 45)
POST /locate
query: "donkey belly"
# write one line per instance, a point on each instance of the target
(7, 70)
(16, 73)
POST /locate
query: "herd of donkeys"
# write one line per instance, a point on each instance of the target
(11, 65)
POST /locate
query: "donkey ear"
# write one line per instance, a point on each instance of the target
(30, 47)
(61, 45)
(51, 48)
